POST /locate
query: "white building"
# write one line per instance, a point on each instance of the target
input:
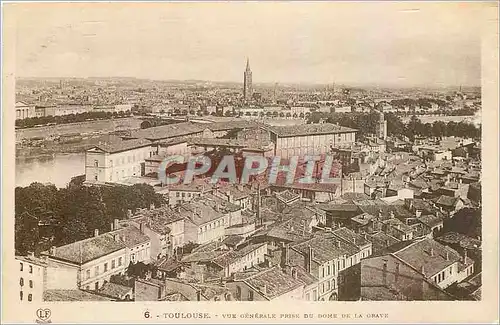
(116, 161)
(31, 279)
(92, 261)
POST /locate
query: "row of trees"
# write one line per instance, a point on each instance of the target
(75, 211)
(70, 118)
(367, 123)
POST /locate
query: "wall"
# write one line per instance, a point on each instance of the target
(146, 292)
(88, 283)
(287, 147)
(112, 167)
(34, 273)
(62, 278)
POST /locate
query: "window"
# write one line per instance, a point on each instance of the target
(328, 270)
(328, 286)
(177, 194)
(119, 261)
(21, 282)
(96, 163)
(21, 266)
(96, 286)
(96, 270)
(31, 283)
(250, 295)
(323, 272)
(105, 267)
(112, 264)
(95, 177)
(308, 296)
(20, 295)
(333, 283)
(87, 274)
(31, 269)
(30, 297)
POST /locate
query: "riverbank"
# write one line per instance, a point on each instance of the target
(83, 128)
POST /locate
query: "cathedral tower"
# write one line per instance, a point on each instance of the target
(247, 83)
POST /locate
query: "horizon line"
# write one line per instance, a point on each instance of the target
(305, 83)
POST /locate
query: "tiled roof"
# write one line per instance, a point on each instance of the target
(115, 290)
(200, 212)
(169, 131)
(115, 146)
(309, 129)
(130, 236)
(287, 195)
(274, 280)
(448, 201)
(363, 219)
(86, 250)
(428, 254)
(380, 241)
(430, 220)
(326, 247)
(72, 295)
(159, 219)
(351, 237)
(235, 255)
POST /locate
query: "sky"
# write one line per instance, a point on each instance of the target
(405, 44)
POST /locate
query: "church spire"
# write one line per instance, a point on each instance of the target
(248, 64)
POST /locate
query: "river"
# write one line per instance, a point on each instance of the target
(57, 169)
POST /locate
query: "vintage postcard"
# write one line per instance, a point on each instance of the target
(250, 162)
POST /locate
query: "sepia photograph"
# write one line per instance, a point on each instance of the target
(303, 152)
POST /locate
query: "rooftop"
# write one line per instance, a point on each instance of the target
(116, 145)
(272, 282)
(130, 236)
(115, 290)
(309, 129)
(87, 250)
(429, 255)
(72, 295)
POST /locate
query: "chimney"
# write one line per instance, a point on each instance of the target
(178, 209)
(198, 295)
(418, 213)
(422, 270)
(465, 255)
(151, 206)
(31, 254)
(338, 244)
(286, 254)
(116, 223)
(309, 257)
(112, 226)
(391, 214)
(384, 273)
(116, 237)
(263, 289)
(96, 232)
(141, 226)
(447, 255)
(52, 250)
(387, 243)
(354, 240)
(294, 273)
(431, 252)
(129, 213)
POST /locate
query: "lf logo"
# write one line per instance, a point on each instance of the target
(43, 315)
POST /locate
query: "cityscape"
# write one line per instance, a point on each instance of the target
(399, 220)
